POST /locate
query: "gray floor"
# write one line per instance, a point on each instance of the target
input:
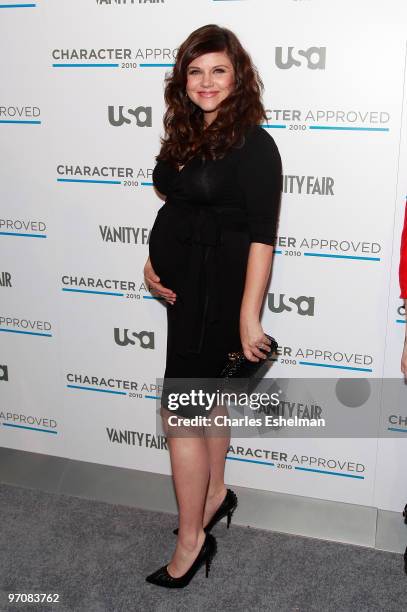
(96, 555)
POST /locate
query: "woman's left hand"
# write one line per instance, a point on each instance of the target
(253, 339)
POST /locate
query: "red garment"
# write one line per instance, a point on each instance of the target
(403, 259)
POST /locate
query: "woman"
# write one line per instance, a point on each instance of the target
(403, 295)
(211, 250)
(403, 286)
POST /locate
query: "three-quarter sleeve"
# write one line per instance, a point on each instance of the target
(260, 180)
(403, 259)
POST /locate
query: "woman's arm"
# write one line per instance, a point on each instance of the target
(257, 277)
(260, 179)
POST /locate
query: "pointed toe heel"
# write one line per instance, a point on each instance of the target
(227, 508)
(229, 517)
(210, 557)
(162, 577)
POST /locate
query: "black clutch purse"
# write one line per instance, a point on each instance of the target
(238, 366)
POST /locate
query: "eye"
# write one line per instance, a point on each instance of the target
(220, 70)
(193, 71)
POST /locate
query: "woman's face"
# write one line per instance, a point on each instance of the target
(210, 79)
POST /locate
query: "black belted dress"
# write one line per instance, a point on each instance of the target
(199, 246)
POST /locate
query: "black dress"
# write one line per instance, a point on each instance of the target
(199, 246)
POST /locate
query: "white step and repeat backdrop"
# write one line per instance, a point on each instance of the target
(82, 340)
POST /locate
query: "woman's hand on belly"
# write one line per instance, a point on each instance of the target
(153, 281)
(255, 344)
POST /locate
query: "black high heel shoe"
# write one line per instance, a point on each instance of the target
(405, 514)
(227, 507)
(161, 577)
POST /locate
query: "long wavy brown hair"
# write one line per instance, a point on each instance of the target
(185, 132)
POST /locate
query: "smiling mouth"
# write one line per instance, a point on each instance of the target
(207, 94)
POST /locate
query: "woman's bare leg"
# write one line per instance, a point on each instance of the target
(217, 440)
(190, 470)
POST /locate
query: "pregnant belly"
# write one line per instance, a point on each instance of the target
(167, 255)
(171, 258)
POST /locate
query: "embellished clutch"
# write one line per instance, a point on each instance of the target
(238, 366)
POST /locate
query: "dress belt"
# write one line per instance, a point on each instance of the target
(202, 227)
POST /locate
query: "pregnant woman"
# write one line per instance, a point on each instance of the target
(211, 250)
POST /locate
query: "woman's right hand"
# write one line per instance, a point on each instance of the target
(153, 281)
